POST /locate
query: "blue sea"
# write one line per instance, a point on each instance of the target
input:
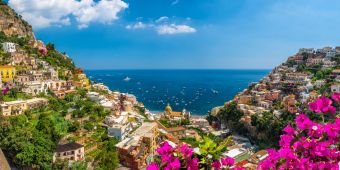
(197, 91)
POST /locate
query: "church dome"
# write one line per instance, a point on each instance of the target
(168, 108)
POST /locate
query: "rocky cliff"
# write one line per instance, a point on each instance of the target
(12, 23)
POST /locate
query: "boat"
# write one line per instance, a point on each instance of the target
(127, 79)
(214, 91)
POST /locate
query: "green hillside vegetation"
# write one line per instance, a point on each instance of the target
(30, 139)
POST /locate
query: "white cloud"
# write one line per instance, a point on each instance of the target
(175, 29)
(162, 26)
(161, 19)
(138, 25)
(45, 13)
(175, 2)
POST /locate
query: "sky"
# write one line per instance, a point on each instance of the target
(182, 34)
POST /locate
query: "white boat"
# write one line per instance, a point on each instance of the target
(214, 91)
(127, 79)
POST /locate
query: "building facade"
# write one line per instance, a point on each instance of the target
(7, 73)
(70, 152)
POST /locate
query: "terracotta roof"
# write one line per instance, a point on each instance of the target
(175, 129)
(7, 66)
(68, 147)
(241, 163)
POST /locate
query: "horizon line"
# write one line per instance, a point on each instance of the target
(179, 69)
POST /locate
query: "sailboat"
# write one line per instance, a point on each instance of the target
(127, 79)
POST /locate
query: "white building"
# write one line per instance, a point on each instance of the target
(306, 50)
(330, 54)
(8, 47)
(118, 126)
(69, 152)
(235, 153)
(335, 88)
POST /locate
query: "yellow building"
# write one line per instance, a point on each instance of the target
(80, 80)
(7, 73)
(169, 113)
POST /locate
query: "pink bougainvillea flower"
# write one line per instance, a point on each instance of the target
(5, 91)
(303, 122)
(216, 165)
(322, 104)
(164, 149)
(285, 140)
(270, 161)
(290, 130)
(315, 130)
(192, 164)
(186, 150)
(227, 161)
(153, 166)
(314, 107)
(336, 97)
(316, 149)
(166, 157)
(175, 164)
(332, 131)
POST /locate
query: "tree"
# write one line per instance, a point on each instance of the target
(50, 47)
(230, 115)
(108, 157)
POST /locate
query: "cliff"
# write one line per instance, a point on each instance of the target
(12, 23)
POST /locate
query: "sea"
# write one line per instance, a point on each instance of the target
(197, 91)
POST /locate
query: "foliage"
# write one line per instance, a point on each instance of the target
(173, 123)
(230, 115)
(4, 57)
(107, 157)
(191, 141)
(291, 63)
(267, 123)
(14, 94)
(322, 74)
(30, 140)
(337, 59)
(56, 59)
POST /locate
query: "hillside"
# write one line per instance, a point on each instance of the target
(43, 100)
(269, 105)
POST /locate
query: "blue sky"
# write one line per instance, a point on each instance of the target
(189, 34)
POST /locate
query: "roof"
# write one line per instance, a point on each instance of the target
(336, 71)
(241, 163)
(144, 131)
(68, 147)
(259, 156)
(235, 152)
(176, 114)
(6, 66)
(175, 129)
